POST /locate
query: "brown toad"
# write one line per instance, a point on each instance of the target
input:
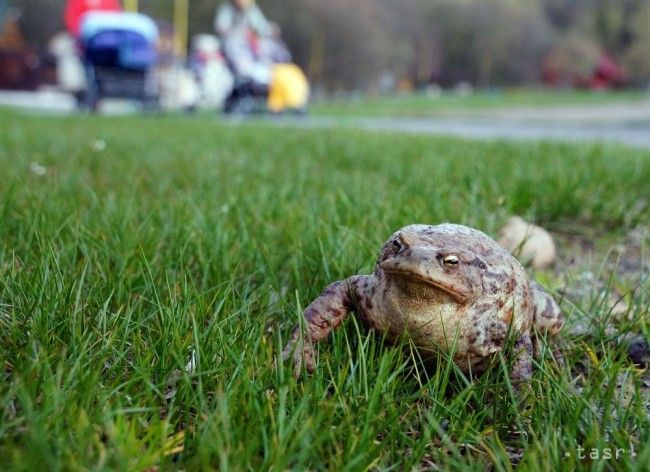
(448, 287)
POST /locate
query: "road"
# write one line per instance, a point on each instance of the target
(634, 134)
(623, 123)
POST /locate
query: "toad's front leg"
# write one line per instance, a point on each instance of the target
(521, 370)
(323, 315)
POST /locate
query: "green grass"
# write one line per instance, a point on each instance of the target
(188, 238)
(421, 105)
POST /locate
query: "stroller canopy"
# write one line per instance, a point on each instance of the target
(94, 23)
(126, 40)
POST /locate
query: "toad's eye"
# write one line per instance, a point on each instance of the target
(451, 260)
(396, 244)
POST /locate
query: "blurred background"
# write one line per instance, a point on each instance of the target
(366, 47)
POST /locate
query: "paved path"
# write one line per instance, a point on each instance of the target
(624, 123)
(635, 134)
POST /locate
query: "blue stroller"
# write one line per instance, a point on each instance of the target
(119, 53)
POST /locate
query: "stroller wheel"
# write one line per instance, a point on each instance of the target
(229, 105)
(90, 97)
(90, 101)
(150, 104)
(233, 103)
(79, 99)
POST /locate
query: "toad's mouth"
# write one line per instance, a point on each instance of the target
(460, 294)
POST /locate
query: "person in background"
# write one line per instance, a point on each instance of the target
(75, 10)
(235, 19)
(241, 26)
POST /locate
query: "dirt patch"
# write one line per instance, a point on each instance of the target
(604, 282)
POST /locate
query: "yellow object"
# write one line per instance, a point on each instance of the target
(181, 12)
(131, 5)
(592, 355)
(289, 88)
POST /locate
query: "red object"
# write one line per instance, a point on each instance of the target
(607, 74)
(75, 9)
(253, 42)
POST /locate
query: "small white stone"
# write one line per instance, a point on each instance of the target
(529, 243)
(37, 169)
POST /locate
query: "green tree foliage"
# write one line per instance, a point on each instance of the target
(351, 44)
(40, 19)
(637, 57)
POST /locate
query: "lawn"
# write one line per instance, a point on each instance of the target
(151, 270)
(424, 105)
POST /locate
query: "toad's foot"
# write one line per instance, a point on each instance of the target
(548, 316)
(299, 350)
(521, 370)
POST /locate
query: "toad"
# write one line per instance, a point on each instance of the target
(449, 288)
